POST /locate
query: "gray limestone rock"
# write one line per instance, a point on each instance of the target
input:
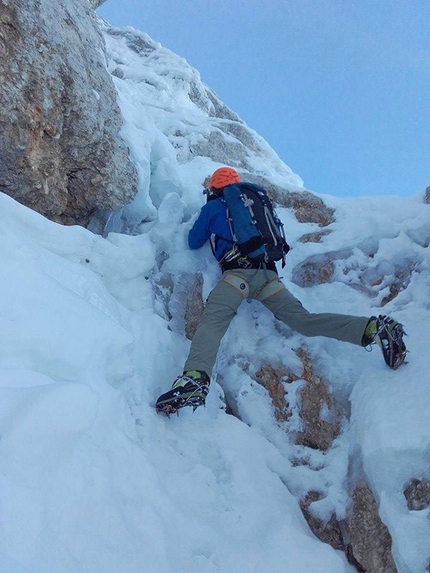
(316, 237)
(319, 411)
(362, 535)
(318, 269)
(307, 207)
(194, 306)
(273, 380)
(328, 531)
(417, 494)
(370, 540)
(96, 3)
(59, 119)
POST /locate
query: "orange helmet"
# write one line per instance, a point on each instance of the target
(222, 177)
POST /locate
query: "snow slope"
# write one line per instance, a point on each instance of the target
(91, 478)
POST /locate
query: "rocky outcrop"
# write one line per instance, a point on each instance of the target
(328, 531)
(194, 306)
(273, 380)
(59, 119)
(316, 237)
(427, 196)
(307, 207)
(369, 539)
(96, 3)
(399, 281)
(319, 412)
(340, 265)
(417, 494)
(362, 535)
(318, 269)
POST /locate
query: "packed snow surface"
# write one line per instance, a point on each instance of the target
(93, 480)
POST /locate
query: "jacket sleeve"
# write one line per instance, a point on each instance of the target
(200, 231)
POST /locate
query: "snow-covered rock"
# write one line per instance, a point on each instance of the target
(185, 130)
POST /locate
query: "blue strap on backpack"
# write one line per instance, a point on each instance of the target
(256, 230)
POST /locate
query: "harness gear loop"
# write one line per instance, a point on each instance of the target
(238, 283)
(269, 289)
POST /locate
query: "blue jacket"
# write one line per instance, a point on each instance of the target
(212, 220)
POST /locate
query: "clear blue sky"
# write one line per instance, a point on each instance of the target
(339, 88)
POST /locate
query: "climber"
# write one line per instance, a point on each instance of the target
(245, 277)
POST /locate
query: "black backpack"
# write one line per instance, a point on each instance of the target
(257, 231)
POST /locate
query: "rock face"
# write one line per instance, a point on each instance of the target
(307, 207)
(59, 121)
(318, 409)
(194, 307)
(314, 237)
(272, 379)
(369, 537)
(362, 535)
(417, 494)
(96, 3)
(330, 531)
(337, 265)
(318, 269)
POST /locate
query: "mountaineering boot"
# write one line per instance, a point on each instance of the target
(190, 389)
(388, 334)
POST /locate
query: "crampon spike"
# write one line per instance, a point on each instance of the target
(167, 410)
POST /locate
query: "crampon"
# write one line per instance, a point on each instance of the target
(190, 389)
(389, 336)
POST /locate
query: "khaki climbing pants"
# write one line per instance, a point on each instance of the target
(262, 285)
